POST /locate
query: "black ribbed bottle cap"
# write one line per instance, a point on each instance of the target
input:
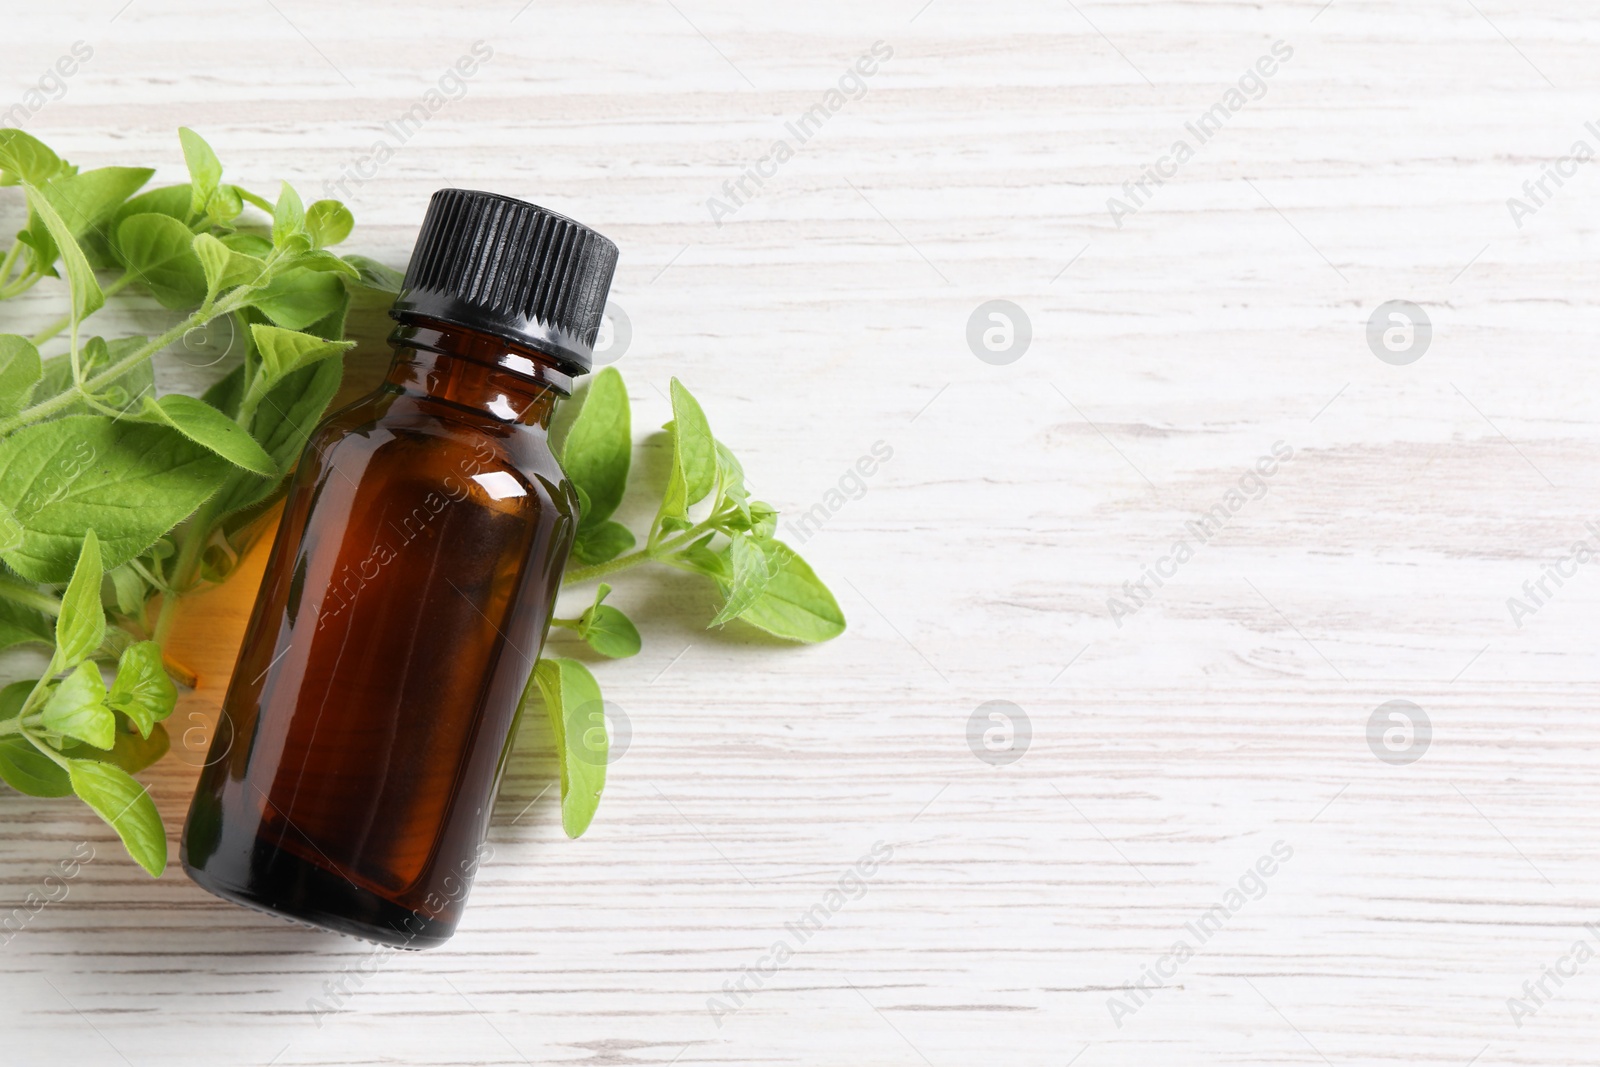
(511, 269)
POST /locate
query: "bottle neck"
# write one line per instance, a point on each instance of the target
(465, 368)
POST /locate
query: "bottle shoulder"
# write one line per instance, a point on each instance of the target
(422, 438)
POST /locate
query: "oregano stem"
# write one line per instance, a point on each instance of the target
(46, 408)
(39, 743)
(28, 596)
(9, 262)
(648, 554)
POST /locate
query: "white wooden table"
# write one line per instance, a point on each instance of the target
(1172, 747)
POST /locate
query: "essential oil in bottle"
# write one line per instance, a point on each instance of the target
(365, 731)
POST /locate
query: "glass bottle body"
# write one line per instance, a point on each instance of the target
(363, 737)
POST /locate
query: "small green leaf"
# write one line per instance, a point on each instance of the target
(87, 297)
(249, 244)
(77, 708)
(577, 717)
(711, 563)
(599, 447)
(210, 428)
(328, 222)
(288, 216)
(609, 632)
(25, 158)
(81, 626)
(205, 170)
(126, 808)
(795, 604)
(20, 371)
(694, 456)
(763, 519)
(299, 297)
(696, 449)
(141, 690)
(602, 543)
(226, 205)
(159, 250)
(753, 569)
(285, 351)
(733, 490)
(375, 275)
(326, 262)
(224, 268)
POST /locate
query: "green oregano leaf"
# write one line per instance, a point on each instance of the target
(81, 626)
(25, 158)
(224, 268)
(753, 570)
(128, 481)
(142, 690)
(285, 351)
(159, 250)
(205, 170)
(602, 543)
(694, 455)
(607, 630)
(733, 489)
(77, 708)
(577, 718)
(87, 297)
(299, 297)
(288, 216)
(211, 429)
(599, 447)
(126, 808)
(328, 222)
(794, 603)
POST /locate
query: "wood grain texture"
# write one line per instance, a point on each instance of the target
(830, 312)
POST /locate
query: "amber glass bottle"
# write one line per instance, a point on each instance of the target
(363, 736)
